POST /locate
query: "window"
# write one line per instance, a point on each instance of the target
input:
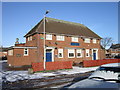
(60, 53)
(87, 53)
(113, 49)
(10, 52)
(87, 40)
(79, 53)
(48, 37)
(74, 39)
(118, 49)
(71, 53)
(94, 40)
(25, 52)
(30, 38)
(60, 38)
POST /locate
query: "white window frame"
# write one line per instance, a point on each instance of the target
(79, 51)
(87, 51)
(87, 40)
(10, 52)
(71, 51)
(48, 36)
(30, 38)
(60, 38)
(74, 39)
(94, 41)
(26, 49)
(60, 51)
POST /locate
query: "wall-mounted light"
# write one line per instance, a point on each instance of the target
(83, 49)
(55, 47)
(56, 43)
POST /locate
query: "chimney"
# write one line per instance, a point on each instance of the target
(17, 41)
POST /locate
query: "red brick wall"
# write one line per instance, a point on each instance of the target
(37, 54)
(23, 44)
(66, 43)
(92, 63)
(52, 65)
(115, 52)
(38, 66)
(102, 54)
(33, 42)
(18, 58)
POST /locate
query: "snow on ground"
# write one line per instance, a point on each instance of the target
(1, 61)
(13, 76)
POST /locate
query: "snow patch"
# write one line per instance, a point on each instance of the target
(13, 76)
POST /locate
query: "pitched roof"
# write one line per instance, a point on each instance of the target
(62, 27)
(3, 49)
(115, 46)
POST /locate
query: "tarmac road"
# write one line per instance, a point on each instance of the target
(59, 81)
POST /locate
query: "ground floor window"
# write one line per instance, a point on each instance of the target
(79, 53)
(71, 53)
(87, 53)
(25, 52)
(60, 53)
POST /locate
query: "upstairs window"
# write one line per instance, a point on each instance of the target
(79, 53)
(30, 38)
(48, 37)
(94, 40)
(71, 53)
(74, 39)
(87, 40)
(60, 38)
(25, 52)
(87, 53)
(60, 53)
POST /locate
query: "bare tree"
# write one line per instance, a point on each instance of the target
(107, 41)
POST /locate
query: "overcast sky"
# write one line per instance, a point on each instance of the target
(18, 18)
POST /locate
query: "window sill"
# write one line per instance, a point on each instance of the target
(79, 57)
(26, 55)
(60, 57)
(71, 57)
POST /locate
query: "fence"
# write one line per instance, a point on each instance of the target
(38, 66)
(91, 63)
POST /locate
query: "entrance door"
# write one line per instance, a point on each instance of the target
(94, 54)
(49, 55)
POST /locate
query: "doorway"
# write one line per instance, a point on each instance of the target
(48, 55)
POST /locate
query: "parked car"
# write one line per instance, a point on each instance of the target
(106, 76)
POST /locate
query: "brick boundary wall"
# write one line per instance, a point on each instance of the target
(91, 63)
(38, 66)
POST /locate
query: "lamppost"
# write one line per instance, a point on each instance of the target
(44, 40)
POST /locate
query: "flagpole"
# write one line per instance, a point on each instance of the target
(44, 45)
(44, 64)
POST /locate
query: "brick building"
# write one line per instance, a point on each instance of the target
(3, 53)
(65, 41)
(113, 51)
